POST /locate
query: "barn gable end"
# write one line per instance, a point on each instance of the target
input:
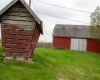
(20, 16)
(20, 29)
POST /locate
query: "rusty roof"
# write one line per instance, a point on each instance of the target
(75, 31)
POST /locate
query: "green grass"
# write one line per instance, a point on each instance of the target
(54, 65)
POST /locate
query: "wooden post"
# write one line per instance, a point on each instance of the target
(29, 3)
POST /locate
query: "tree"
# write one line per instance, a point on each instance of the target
(95, 24)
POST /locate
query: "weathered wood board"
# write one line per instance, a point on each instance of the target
(78, 44)
(20, 29)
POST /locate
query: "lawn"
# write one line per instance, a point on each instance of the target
(51, 64)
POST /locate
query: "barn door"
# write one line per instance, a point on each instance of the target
(78, 44)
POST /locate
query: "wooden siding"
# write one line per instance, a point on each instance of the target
(36, 35)
(61, 43)
(19, 42)
(19, 15)
(20, 4)
(20, 29)
(81, 45)
(93, 46)
(14, 40)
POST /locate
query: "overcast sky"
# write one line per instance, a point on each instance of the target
(49, 21)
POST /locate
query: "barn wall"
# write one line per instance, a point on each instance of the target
(15, 41)
(20, 16)
(93, 45)
(20, 33)
(36, 35)
(64, 43)
(60, 42)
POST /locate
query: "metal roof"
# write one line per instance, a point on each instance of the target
(75, 31)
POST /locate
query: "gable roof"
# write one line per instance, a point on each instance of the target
(75, 31)
(27, 7)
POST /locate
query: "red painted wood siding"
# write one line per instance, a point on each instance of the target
(64, 43)
(19, 41)
(93, 45)
(60, 42)
(36, 35)
(15, 39)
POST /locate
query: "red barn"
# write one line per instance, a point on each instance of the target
(74, 37)
(20, 28)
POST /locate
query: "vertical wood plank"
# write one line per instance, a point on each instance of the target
(78, 44)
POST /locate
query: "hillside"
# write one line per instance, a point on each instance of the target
(54, 65)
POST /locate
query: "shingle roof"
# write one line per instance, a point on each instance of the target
(75, 31)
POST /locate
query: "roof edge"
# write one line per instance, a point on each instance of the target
(26, 6)
(41, 26)
(31, 11)
(7, 6)
(70, 25)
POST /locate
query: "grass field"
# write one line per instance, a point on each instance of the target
(54, 65)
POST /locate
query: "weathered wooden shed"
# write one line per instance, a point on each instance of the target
(74, 37)
(20, 28)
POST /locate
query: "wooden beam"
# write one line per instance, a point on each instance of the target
(29, 3)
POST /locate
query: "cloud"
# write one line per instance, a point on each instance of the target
(49, 21)
(3, 3)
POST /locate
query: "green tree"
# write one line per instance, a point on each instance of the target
(95, 24)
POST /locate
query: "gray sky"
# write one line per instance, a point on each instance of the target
(49, 22)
